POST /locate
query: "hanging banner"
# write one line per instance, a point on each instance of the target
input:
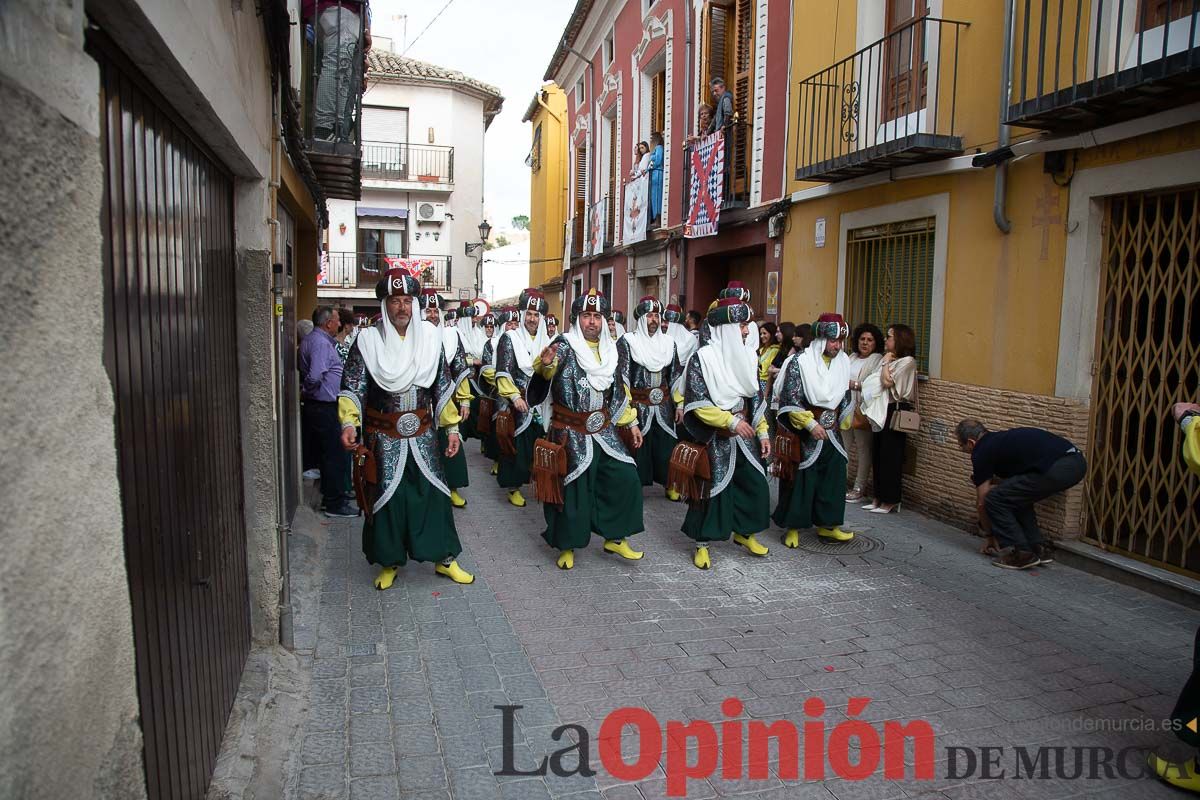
(568, 245)
(707, 187)
(323, 270)
(637, 210)
(597, 218)
(416, 267)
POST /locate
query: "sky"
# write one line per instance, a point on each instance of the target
(507, 44)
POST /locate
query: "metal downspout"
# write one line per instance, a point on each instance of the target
(1000, 197)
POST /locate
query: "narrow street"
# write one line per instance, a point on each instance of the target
(909, 615)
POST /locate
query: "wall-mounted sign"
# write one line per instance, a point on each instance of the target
(773, 294)
(820, 233)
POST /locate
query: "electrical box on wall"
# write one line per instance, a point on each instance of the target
(431, 212)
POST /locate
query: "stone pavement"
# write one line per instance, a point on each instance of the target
(404, 682)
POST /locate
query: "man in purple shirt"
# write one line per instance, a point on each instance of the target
(320, 382)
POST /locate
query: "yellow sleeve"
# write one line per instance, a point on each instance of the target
(489, 375)
(547, 372)
(847, 423)
(348, 413)
(802, 419)
(463, 393)
(714, 417)
(630, 415)
(507, 388)
(762, 428)
(449, 418)
(1191, 443)
(677, 397)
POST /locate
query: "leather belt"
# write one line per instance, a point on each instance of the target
(399, 424)
(585, 422)
(648, 397)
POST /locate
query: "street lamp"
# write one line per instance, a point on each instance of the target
(484, 231)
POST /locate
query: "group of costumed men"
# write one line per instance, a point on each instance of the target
(590, 414)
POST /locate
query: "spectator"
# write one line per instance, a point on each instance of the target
(703, 119)
(867, 344)
(898, 374)
(347, 333)
(722, 116)
(303, 328)
(338, 24)
(656, 178)
(641, 159)
(320, 383)
(803, 336)
(768, 348)
(1187, 415)
(1032, 464)
(692, 321)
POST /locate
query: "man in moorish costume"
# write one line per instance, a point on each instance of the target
(494, 325)
(653, 370)
(724, 412)
(616, 325)
(456, 359)
(551, 326)
(516, 358)
(600, 491)
(398, 388)
(813, 390)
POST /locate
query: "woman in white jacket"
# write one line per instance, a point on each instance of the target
(866, 344)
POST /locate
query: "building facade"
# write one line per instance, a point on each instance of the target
(422, 179)
(632, 68)
(1046, 261)
(548, 188)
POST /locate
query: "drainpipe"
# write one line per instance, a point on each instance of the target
(1002, 139)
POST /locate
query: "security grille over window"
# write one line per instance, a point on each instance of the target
(889, 278)
(1139, 498)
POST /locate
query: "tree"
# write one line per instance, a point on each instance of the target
(521, 222)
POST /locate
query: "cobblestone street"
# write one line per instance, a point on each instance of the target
(909, 615)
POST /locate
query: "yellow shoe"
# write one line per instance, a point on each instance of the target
(674, 496)
(456, 499)
(516, 498)
(837, 534)
(566, 559)
(701, 559)
(385, 578)
(792, 539)
(751, 544)
(495, 467)
(1184, 775)
(623, 549)
(454, 572)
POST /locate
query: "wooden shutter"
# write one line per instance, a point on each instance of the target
(581, 174)
(740, 80)
(1153, 13)
(658, 103)
(717, 18)
(612, 181)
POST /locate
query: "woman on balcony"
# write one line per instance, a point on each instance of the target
(641, 158)
(656, 178)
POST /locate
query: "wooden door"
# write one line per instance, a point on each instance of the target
(905, 68)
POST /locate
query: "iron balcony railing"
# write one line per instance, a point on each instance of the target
(891, 103)
(400, 161)
(736, 183)
(333, 89)
(359, 270)
(1077, 63)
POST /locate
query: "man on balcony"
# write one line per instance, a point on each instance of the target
(722, 120)
(338, 25)
(653, 370)
(398, 388)
(515, 362)
(456, 359)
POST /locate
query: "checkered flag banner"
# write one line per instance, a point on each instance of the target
(707, 186)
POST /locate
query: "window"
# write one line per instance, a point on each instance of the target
(610, 124)
(579, 92)
(375, 243)
(728, 53)
(609, 49)
(606, 287)
(576, 288)
(658, 102)
(889, 278)
(534, 159)
(579, 234)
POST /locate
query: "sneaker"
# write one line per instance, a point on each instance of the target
(312, 474)
(344, 510)
(1017, 559)
(1045, 553)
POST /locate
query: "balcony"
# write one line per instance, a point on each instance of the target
(737, 168)
(888, 105)
(351, 270)
(333, 52)
(424, 163)
(1077, 65)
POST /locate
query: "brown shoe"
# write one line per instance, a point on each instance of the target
(1045, 553)
(1017, 559)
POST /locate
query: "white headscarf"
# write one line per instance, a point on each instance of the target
(654, 352)
(497, 334)
(528, 348)
(397, 363)
(473, 337)
(824, 386)
(685, 341)
(730, 366)
(599, 373)
(620, 329)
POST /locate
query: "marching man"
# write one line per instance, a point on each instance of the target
(813, 389)
(460, 372)
(396, 385)
(600, 489)
(516, 356)
(724, 412)
(653, 371)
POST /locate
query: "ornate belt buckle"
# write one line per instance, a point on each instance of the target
(828, 419)
(595, 422)
(656, 396)
(408, 424)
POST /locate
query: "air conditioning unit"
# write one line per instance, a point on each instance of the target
(431, 212)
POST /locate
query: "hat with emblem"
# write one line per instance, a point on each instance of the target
(591, 300)
(729, 310)
(647, 305)
(431, 299)
(397, 282)
(830, 326)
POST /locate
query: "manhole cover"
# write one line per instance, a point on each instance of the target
(861, 543)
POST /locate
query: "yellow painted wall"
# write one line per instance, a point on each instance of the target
(548, 193)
